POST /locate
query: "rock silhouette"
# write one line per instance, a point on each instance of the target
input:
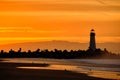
(59, 54)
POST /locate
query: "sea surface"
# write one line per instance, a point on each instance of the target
(103, 68)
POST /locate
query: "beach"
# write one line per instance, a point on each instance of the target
(44, 69)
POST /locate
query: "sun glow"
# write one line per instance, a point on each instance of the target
(70, 20)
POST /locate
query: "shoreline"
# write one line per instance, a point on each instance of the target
(8, 71)
(60, 65)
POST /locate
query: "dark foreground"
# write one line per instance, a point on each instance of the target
(8, 71)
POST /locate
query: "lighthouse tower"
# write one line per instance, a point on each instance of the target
(92, 40)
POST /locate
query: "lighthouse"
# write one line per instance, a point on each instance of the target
(92, 40)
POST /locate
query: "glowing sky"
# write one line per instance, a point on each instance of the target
(70, 20)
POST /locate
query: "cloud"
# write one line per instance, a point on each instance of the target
(101, 2)
(14, 29)
(50, 16)
(27, 29)
(61, 5)
(74, 39)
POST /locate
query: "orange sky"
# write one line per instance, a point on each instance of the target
(70, 20)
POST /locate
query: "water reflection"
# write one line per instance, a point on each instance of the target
(52, 67)
(94, 73)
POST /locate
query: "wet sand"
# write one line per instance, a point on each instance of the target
(8, 71)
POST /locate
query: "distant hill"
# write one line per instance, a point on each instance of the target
(113, 47)
(46, 45)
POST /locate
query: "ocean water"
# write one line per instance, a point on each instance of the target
(101, 64)
(104, 68)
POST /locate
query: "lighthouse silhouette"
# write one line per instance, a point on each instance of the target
(92, 40)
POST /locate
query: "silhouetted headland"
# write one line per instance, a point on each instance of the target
(59, 54)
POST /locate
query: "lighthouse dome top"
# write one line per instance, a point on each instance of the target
(92, 31)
